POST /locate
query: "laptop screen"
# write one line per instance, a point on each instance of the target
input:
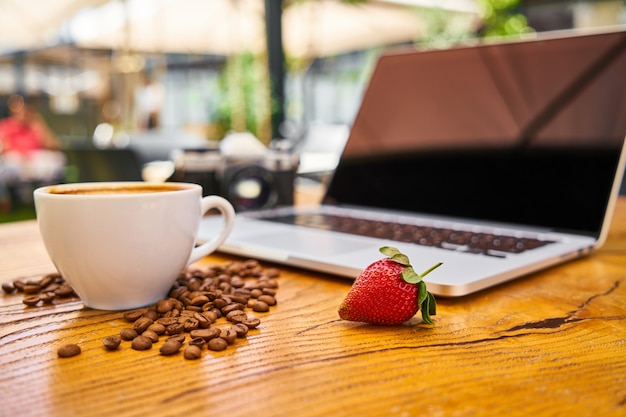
(526, 132)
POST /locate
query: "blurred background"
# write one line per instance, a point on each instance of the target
(141, 82)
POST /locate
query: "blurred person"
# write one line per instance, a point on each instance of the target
(29, 151)
(149, 102)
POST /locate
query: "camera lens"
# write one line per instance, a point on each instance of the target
(252, 187)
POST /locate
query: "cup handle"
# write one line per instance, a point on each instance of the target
(228, 213)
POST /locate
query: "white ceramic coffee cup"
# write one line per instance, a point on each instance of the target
(123, 250)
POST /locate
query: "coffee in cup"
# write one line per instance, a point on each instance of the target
(121, 245)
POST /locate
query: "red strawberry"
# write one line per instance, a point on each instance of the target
(389, 292)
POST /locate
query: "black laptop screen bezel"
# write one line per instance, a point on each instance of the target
(530, 178)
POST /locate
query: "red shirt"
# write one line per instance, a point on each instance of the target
(20, 137)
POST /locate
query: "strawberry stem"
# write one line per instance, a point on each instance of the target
(429, 270)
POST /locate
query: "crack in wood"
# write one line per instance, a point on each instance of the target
(556, 322)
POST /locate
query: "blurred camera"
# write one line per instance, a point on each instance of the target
(249, 182)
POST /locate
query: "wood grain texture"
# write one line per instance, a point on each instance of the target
(550, 344)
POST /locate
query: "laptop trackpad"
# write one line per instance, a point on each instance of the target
(308, 243)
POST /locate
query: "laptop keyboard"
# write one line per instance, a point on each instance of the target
(490, 244)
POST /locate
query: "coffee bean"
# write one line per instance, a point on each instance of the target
(132, 315)
(251, 322)
(217, 344)
(268, 283)
(31, 288)
(229, 335)
(19, 285)
(69, 350)
(251, 263)
(141, 343)
(52, 288)
(177, 293)
(200, 300)
(175, 328)
(64, 291)
(237, 281)
(47, 297)
(187, 313)
(190, 324)
(163, 306)
(151, 314)
(239, 299)
(158, 328)
(216, 312)
(194, 284)
(197, 341)
(194, 293)
(192, 352)
(202, 320)
(272, 272)
(243, 293)
(112, 342)
(220, 303)
(180, 338)
(206, 334)
(128, 334)
(166, 321)
(142, 324)
(260, 307)
(170, 347)
(31, 300)
(8, 287)
(232, 307)
(241, 329)
(178, 305)
(252, 267)
(48, 280)
(151, 335)
(236, 316)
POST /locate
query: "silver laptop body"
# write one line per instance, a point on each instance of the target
(457, 156)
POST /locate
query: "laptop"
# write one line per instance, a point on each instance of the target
(497, 159)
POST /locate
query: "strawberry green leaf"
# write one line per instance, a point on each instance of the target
(401, 258)
(395, 255)
(389, 251)
(426, 311)
(427, 303)
(422, 293)
(410, 276)
(432, 305)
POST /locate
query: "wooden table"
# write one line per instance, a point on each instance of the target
(551, 344)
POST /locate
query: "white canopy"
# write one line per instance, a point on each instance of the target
(312, 28)
(36, 23)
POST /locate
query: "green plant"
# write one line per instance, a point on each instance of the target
(245, 103)
(502, 18)
(497, 18)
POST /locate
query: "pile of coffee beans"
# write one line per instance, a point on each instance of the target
(207, 308)
(49, 289)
